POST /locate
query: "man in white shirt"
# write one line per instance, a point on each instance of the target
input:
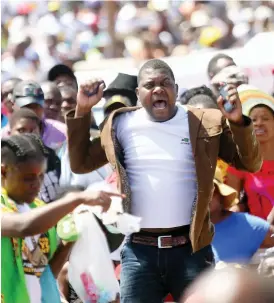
(165, 158)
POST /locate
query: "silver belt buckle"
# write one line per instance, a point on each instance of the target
(160, 242)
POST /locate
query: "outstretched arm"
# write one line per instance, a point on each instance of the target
(41, 219)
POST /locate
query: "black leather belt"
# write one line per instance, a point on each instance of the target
(167, 241)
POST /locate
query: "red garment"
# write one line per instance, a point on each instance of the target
(118, 272)
(259, 188)
(169, 298)
(4, 110)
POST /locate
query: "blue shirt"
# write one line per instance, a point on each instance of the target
(4, 121)
(238, 237)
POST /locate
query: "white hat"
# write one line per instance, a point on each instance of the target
(247, 14)
(199, 18)
(17, 38)
(262, 13)
(240, 30)
(159, 6)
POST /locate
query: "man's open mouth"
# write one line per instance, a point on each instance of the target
(160, 104)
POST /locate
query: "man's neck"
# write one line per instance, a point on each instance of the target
(173, 115)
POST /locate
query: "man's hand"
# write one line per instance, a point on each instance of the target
(100, 198)
(89, 94)
(236, 115)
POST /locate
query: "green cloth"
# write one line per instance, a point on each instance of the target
(13, 284)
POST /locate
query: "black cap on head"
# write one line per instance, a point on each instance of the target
(124, 85)
(60, 69)
(28, 92)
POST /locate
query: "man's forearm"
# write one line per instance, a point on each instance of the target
(85, 155)
(247, 144)
(80, 112)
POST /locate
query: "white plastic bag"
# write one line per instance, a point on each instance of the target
(115, 220)
(91, 271)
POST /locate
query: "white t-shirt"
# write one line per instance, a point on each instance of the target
(160, 167)
(32, 281)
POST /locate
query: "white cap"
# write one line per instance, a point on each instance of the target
(199, 18)
(159, 6)
(133, 44)
(247, 14)
(262, 13)
(240, 30)
(17, 38)
(127, 12)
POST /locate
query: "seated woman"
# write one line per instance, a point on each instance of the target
(258, 186)
(28, 239)
(237, 235)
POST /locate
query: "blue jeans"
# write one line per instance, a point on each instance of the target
(149, 274)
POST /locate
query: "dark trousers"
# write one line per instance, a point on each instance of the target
(150, 273)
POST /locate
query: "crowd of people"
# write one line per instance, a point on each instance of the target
(44, 158)
(143, 30)
(199, 174)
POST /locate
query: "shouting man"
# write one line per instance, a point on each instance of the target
(165, 158)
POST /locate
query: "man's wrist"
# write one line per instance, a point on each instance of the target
(81, 113)
(240, 122)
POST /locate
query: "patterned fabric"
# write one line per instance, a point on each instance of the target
(12, 263)
(125, 188)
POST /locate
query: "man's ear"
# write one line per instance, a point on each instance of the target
(137, 92)
(177, 88)
(3, 170)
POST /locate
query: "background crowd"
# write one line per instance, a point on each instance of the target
(41, 42)
(89, 30)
